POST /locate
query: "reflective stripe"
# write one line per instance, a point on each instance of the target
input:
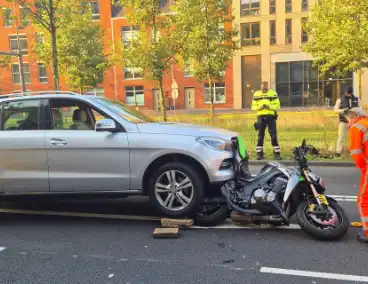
(364, 219)
(359, 126)
(365, 138)
(356, 151)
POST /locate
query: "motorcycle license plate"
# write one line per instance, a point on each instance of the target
(323, 199)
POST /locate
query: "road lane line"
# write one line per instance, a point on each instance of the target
(229, 225)
(2, 248)
(349, 198)
(77, 214)
(303, 273)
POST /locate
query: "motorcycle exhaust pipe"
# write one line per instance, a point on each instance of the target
(215, 201)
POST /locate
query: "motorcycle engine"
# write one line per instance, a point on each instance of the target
(268, 194)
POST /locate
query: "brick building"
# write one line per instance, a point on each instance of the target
(120, 83)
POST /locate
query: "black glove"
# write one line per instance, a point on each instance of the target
(256, 126)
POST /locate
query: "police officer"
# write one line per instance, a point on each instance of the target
(266, 102)
(343, 104)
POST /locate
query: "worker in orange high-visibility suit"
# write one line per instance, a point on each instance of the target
(358, 137)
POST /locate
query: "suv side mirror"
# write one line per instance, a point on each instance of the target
(105, 124)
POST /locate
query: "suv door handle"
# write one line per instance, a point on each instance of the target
(57, 142)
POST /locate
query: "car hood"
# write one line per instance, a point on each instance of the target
(185, 129)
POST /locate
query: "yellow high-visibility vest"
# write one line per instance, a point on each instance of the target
(269, 99)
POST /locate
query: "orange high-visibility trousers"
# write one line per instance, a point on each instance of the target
(362, 201)
(358, 136)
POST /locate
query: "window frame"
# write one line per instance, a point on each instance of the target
(133, 30)
(305, 5)
(49, 119)
(41, 113)
(304, 34)
(22, 37)
(206, 86)
(249, 8)
(39, 74)
(273, 39)
(7, 20)
(134, 95)
(272, 8)
(252, 39)
(288, 6)
(24, 17)
(288, 38)
(95, 16)
(133, 71)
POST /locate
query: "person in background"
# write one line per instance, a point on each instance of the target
(266, 102)
(358, 129)
(343, 104)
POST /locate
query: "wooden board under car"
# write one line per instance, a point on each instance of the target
(176, 223)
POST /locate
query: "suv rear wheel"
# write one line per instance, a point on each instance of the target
(176, 190)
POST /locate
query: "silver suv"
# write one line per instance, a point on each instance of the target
(64, 143)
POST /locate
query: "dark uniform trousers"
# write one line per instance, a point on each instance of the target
(267, 121)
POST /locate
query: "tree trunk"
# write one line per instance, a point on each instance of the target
(162, 102)
(54, 46)
(359, 83)
(212, 107)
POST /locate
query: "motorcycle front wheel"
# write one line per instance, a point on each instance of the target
(327, 230)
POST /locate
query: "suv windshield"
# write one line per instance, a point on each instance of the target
(126, 112)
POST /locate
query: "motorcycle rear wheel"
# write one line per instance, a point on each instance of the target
(312, 226)
(211, 215)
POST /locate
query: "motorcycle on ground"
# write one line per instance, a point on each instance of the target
(276, 194)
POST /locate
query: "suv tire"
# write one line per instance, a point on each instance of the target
(176, 190)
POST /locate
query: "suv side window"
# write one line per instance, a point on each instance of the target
(73, 115)
(20, 115)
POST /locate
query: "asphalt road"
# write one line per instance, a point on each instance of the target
(49, 249)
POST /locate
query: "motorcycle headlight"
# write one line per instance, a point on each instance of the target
(215, 143)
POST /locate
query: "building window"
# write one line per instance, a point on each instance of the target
(304, 32)
(251, 34)
(134, 95)
(24, 16)
(219, 96)
(42, 73)
(16, 73)
(23, 46)
(288, 31)
(288, 6)
(39, 38)
(272, 7)
(249, 7)
(132, 73)
(95, 9)
(272, 32)
(117, 10)
(305, 5)
(7, 17)
(128, 34)
(99, 92)
(300, 84)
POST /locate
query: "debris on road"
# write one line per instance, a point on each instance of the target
(176, 223)
(166, 233)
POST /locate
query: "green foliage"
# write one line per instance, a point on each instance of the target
(204, 29)
(80, 44)
(5, 61)
(339, 35)
(153, 50)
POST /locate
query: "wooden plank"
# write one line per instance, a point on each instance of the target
(166, 233)
(176, 223)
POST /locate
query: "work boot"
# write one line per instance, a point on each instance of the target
(277, 156)
(259, 156)
(361, 237)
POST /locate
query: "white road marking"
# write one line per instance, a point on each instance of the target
(334, 276)
(234, 226)
(2, 248)
(348, 198)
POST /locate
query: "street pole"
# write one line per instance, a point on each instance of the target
(20, 62)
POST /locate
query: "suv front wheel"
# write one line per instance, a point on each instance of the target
(176, 190)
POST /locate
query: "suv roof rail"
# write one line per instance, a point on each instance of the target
(23, 94)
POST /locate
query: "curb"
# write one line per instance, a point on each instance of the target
(311, 163)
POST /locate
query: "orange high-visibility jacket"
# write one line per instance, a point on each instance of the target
(358, 136)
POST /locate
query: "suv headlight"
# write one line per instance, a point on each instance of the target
(215, 143)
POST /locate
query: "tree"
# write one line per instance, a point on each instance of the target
(339, 36)
(80, 45)
(44, 13)
(204, 30)
(153, 49)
